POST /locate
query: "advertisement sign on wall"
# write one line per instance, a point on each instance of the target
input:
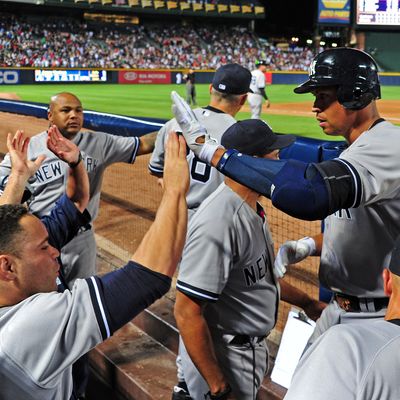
(9, 77)
(144, 76)
(71, 75)
(334, 11)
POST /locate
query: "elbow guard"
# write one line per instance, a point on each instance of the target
(300, 191)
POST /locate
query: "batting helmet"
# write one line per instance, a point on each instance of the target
(354, 72)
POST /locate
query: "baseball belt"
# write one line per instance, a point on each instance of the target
(360, 304)
(241, 340)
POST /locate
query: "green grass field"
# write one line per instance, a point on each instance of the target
(154, 101)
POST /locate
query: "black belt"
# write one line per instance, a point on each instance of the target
(84, 228)
(246, 339)
(361, 304)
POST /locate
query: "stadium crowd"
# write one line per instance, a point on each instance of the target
(69, 43)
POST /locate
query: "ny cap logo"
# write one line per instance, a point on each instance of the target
(222, 86)
(312, 68)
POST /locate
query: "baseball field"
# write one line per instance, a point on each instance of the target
(289, 113)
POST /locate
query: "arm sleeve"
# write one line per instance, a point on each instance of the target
(5, 171)
(120, 295)
(263, 93)
(64, 222)
(119, 148)
(322, 188)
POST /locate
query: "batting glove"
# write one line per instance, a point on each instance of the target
(292, 252)
(196, 136)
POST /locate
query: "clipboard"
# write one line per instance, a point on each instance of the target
(298, 330)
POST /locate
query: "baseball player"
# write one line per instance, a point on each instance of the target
(190, 87)
(257, 95)
(98, 150)
(358, 191)
(228, 93)
(227, 295)
(355, 361)
(42, 332)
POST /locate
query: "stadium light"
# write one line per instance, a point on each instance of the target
(322, 43)
(309, 41)
(334, 44)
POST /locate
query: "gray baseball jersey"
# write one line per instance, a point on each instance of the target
(203, 178)
(358, 241)
(42, 369)
(227, 262)
(99, 150)
(352, 362)
(256, 99)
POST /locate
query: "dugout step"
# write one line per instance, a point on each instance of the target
(139, 360)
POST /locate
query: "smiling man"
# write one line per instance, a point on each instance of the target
(358, 193)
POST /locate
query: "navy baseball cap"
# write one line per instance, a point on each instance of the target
(394, 265)
(254, 137)
(232, 79)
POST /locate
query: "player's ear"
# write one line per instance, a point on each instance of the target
(387, 282)
(210, 88)
(243, 99)
(6, 268)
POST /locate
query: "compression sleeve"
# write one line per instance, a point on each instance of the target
(303, 190)
(263, 93)
(120, 295)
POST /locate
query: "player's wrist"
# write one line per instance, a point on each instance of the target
(310, 243)
(221, 394)
(208, 150)
(74, 164)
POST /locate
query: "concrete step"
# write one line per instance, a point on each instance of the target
(138, 362)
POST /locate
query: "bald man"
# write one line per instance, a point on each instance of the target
(98, 151)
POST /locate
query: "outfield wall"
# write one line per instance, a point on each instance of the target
(17, 76)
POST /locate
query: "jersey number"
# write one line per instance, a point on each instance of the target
(200, 171)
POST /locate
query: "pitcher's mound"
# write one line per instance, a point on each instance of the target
(9, 96)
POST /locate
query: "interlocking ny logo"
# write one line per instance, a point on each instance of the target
(312, 68)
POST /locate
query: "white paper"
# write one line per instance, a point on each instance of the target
(294, 339)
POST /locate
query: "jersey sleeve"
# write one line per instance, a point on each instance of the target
(156, 163)
(119, 148)
(64, 221)
(5, 170)
(207, 257)
(374, 162)
(50, 332)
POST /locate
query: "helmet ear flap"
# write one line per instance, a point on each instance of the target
(353, 98)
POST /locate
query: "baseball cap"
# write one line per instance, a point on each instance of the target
(394, 265)
(261, 62)
(232, 79)
(254, 137)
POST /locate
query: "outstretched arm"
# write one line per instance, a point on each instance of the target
(129, 290)
(78, 180)
(21, 168)
(147, 143)
(323, 188)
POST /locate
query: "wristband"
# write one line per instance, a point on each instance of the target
(76, 163)
(220, 395)
(310, 242)
(208, 150)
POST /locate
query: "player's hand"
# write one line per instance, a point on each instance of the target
(314, 309)
(292, 252)
(17, 146)
(267, 104)
(176, 168)
(62, 147)
(195, 134)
